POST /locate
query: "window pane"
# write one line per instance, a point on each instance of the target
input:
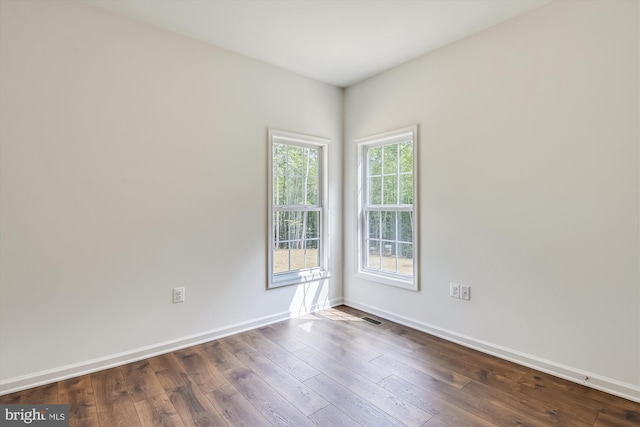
(312, 255)
(311, 225)
(281, 258)
(296, 250)
(375, 190)
(405, 258)
(388, 256)
(373, 258)
(373, 224)
(375, 161)
(406, 189)
(390, 162)
(295, 160)
(406, 156)
(279, 159)
(389, 225)
(405, 227)
(312, 191)
(278, 190)
(390, 195)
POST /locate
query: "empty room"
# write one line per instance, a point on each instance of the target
(320, 212)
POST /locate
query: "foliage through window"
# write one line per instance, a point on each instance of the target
(297, 243)
(388, 220)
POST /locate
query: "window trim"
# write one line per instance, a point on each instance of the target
(295, 277)
(363, 145)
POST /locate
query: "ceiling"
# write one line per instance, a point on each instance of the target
(340, 42)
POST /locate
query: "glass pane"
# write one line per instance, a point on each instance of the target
(373, 256)
(311, 225)
(279, 229)
(405, 227)
(296, 160)
(281, 258)
(389, 225)
(406, 156)
(312, 191)
(406, 189)
(279, 159)
(375, 161)
(390, 161)
(388, 256)
(312, 254)
(296, 250)
(278, 190)
(390, 195)
(294, 225)
(373, 224)
(405, 258)
(375, 190)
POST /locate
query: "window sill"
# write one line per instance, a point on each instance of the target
(298, 278)
(409, 283)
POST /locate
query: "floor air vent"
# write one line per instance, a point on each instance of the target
(370, 320)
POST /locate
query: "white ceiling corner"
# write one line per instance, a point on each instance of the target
(340, 42)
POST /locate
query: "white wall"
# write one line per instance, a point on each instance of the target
(133, 161)
(529, 192)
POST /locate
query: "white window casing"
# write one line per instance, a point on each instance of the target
(387, 248)
(298, 231)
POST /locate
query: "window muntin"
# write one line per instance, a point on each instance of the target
(388, 226)
(297, 229)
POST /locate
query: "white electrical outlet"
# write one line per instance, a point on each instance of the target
(454, 290)
(178, 295)
(465, 292)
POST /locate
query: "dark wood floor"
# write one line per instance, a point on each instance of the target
(329, 369)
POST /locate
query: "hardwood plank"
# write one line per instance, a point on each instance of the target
(332, 416)
(348, 402)
(114, 405)
(308, 334)
(435, 370)
(298, 394)
(78, 394)
(287, 342)
(157, 411)
(432, 404)
(549, 415)
(169, 372)
(613, 416)
(40, 395)
(436, 422)
(340, 355)
(495, 375)
(220, 357)
(11, 399)
(200, 369)
(574, 392)
(474, 404)
(365, 332)
(275, 408)
(367, 390)
(286, 360)
(235, 408)
(534, 388)
(192, 406)
(141, 381)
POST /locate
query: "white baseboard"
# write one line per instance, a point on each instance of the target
(598, 382)
(12, 385)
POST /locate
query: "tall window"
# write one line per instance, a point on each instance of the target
(297, 217)
(388, 251)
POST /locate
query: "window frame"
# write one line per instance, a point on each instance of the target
(277, 280)
(363, 146)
